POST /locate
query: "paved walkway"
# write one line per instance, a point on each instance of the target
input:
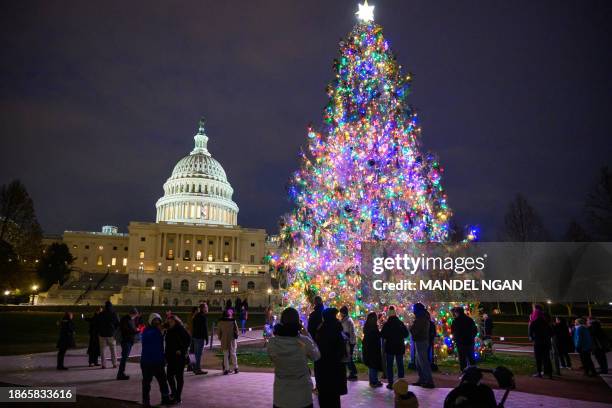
(216, 390)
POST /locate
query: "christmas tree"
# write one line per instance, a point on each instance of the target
(364, 177)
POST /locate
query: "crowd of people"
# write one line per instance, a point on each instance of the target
(169, 347)
(329, 341)
(553, 341)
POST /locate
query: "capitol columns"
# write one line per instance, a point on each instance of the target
(235, 249)
(193, 248)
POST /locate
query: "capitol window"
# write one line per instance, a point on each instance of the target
(218, 286)
(251, 285)
(169, 268)
(167, 284)
(149, 283)
(101, 247)
(100, 261)
(170, 254)
(234, 288)
(124, 261)
(184, 285)
(85, 260)
(114, 261)
(141, 254)
(201, 286)
(198, 255)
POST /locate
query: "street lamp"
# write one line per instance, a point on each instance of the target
(152, 295)
(6, 295)
(269, 296)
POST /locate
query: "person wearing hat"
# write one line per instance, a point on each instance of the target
(404, 398)
(420, 331)
(152, 361)
(129, 333)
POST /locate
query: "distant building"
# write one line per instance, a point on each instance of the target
(195, 250)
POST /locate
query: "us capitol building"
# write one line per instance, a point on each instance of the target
(194, 251)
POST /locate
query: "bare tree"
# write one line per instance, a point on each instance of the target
(576, 233)
(522, 223)
(599, 207)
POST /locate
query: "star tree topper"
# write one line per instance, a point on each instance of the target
(366, 12)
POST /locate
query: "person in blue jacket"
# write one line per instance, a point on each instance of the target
(584, 344)
(152, 361)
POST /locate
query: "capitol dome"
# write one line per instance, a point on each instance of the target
(198, 191)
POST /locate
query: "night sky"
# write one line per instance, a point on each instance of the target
(99, 100)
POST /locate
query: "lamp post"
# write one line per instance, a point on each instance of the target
(152, 295)
(6, 295)
(269, 296)
(33, 295)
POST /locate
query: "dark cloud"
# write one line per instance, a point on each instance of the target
(99, 100)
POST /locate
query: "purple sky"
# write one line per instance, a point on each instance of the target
(99, 100)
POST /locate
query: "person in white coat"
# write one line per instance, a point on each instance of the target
(348, 327)
(290, 350)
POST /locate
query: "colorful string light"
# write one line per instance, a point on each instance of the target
(363, 178)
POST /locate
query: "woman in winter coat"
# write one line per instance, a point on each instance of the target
(540, 333)
(66, 339)
(330, 371)
(228, 333)
(177, 347)
(93, 348)
(372, 351)
(290, 350)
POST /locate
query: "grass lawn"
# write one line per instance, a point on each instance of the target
(34, 332)
(254, 356)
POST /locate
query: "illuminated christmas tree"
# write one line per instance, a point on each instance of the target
(363, 177)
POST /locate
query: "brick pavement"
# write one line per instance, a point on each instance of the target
(250, 389)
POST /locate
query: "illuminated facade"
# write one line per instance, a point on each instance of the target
(194, 251)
